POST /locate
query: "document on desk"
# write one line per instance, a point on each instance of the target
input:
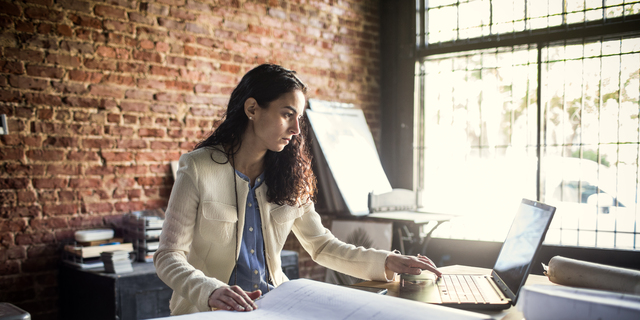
(308, 299)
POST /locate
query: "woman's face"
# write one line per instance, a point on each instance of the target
(279, 121)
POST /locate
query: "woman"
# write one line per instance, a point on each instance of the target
(238, 195)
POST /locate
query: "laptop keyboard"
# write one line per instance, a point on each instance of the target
(460, 288)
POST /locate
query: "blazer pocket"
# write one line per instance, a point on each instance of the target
(284, 217)
(218, 221)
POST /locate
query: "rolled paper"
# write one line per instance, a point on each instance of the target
(577, 273)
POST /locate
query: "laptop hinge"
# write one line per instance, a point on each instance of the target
(497, 289)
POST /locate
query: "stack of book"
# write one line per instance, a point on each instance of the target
(116, 261)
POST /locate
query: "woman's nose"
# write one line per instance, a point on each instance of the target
(295, 129)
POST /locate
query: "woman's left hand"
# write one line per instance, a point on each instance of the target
(410, 264)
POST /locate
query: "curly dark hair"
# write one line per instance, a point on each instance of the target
(288, 174)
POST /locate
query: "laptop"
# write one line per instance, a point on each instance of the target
(500, 289)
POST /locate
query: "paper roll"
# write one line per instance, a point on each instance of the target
(571, 272)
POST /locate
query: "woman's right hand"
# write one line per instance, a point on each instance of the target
(233, 298)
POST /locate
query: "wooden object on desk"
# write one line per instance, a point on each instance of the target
(94, 251)
(393, 288)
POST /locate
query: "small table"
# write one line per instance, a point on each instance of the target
(393, 288)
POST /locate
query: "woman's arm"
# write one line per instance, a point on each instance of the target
(177, 235)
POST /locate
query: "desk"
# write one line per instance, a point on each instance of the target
(508, 314)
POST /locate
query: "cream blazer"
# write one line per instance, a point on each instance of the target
(198, 240)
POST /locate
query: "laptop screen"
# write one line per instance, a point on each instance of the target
(519, 249)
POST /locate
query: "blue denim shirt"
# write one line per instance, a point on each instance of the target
(251, 265)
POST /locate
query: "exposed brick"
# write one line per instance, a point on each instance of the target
(10, 9)
(22, 82)
(49, 223)
(17, 169)
(97, 208)
(63, 169)
(85, 21)
(75, 5)
(64, 60)
(40, 13)
(14, 67)
(41, 98)
(108, 11)
(59, 209)
(11, 153)
(151, 132)
(117, 156)
(49, 183)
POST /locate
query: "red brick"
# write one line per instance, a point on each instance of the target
(151, 84)
(85, 21)
(63, 169)
(14, 67)
(119, 130)
(139, 95)
(46, 72)
(86, 222)
(77, 75)
(81, 102)
(49, 223)
(118, 26)
(77, 47)
(107, 11)
(117, 156)
(23, 82)
(64, 60)
(59, 209)
(66, 196)
(132, 144)
(45, 114)
(150, 132)
(100, 170)
(151, 181)
(164, 145)
(129, 206)
(107, 52)
(119, 79)
(13, 224)
(98, 143)
(11, 153)
(9, 197)
(150, 156)
(85, 183)
(147, 56)
(107, 91)
(83, 156)
(49, 128)
(49, 183)
(62, 142)
(39, 13)
(9, 96)
(171, 97)
(24, 169)
(45, 155)
(110, 65)
(26, 196)
(41, 98)
(97, 207)
(20, 211)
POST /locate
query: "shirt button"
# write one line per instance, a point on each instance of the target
(251, 229)
(255, 271)
(250, 205)
(252, 251)
(258, 179)
(255, 286)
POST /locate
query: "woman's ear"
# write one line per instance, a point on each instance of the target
(250, 107)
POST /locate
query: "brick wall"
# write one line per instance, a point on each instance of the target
(101, 95)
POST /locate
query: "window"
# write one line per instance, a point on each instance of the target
(533, 99)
